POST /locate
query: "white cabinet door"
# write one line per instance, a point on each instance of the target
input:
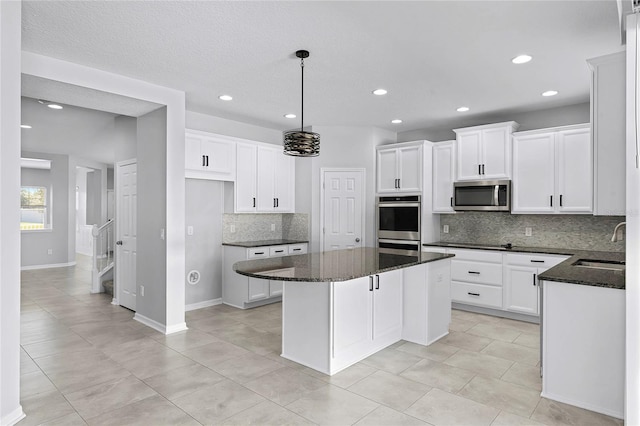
(258, 289)
(352, 305)
(496, 153)
(245, 186)
(193, 157)
(387, 170)
(275, 288)
(469, 151)
(219, 156)
(284, 176)
(265, 184)
(575, 171)
(410, 169)
(521, 292)
(443, 176)
(533, 173)
(387, 304)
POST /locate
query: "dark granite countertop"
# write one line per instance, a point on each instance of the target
(337, 265)
(263, 243)
(565, 271)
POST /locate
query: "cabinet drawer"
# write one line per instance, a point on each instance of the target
(476, 294)
(257, 252)
(477, 255)
(535, 260)
(276, 251)
(476, 272)
(297, 248)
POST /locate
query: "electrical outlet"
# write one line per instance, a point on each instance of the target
(142, 290)
(233, 229)
(445, 229)
(527, 231)
(189, 230)
(439, 278)
(50, 251)
(273, 226)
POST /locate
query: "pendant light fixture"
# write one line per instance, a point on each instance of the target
(300, 143)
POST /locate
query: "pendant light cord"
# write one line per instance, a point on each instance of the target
(302, 95)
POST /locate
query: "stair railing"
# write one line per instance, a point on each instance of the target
(103, 253)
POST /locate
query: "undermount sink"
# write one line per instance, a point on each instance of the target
(611, 265)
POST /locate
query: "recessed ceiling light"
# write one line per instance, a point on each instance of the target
(379, 92)
(550, 93)
(55, 106)
(25, 126)
(463, 109)
(225, 97)
(396, 121)
(521, 59)
(289, 116)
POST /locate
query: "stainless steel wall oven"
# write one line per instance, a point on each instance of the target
(398, 224)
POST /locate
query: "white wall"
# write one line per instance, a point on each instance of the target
(35, 244)
(340, 146)
(10, 39)
(222, 126)
(124, 138)
(560, 116)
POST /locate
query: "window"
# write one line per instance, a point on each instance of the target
(34, 213)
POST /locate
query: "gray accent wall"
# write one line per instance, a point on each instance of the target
(340, 147)
(35, 244)
(151, 216)
(203, 249)
(557, 231)
(540, 119)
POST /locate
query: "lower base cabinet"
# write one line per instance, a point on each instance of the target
(583, 346)
(330, 326)
(244, 292)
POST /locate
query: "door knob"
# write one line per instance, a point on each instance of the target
(357, 240)
(119, 242)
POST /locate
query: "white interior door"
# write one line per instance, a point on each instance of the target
(343, 200)
(126, 234)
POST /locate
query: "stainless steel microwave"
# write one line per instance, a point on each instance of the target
(482, 195)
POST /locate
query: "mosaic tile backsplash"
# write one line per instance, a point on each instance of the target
(257, 227)
(584, 232)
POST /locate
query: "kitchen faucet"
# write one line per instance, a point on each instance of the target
(615, 238)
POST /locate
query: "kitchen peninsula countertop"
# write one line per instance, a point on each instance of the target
(263, 243)
(331, 266)
(565, 271)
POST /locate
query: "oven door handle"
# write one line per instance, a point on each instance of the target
(398, 204)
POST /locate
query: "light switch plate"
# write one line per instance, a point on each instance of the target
(233, 229)
(189, 230)
(445, 229)
(527, 231)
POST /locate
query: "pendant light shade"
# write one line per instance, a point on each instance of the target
(300, 143)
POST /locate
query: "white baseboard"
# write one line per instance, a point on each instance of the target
(13, 417)
(160, 327)
(591, 407)
(53, 265)
(200, 305)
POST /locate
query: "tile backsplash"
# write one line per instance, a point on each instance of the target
(558, 231)
(257, 227)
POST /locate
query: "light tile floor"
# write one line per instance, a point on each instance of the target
(85, 361)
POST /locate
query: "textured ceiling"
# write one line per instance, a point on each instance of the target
(431, 56)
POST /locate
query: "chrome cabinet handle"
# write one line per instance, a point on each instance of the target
(473, 294)
(474, 272)
(370, 283)
(551, 200)
(483, 169)
(119, 243)
(560, 200)
(377, 282)
(537, 261)
(534, 280)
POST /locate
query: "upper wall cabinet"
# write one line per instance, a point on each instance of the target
(265, 181)
(444, 155)
(399, 167)
(484, 152)
(552, 171)
(209, 156)
(608, 133)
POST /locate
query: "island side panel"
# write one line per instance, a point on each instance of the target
(427, 302)
(583, 346)
(306, 324)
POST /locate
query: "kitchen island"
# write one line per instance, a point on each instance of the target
(341, 306)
